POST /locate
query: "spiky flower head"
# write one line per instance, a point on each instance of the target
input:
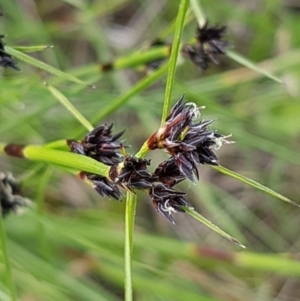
(209, 44)
(104, 186)
(100, 145)
(210, 38)
(134, 174)
(188, 141)
(167, 200)
(6, 60)
(10, 199)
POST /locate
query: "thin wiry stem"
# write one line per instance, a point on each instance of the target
(129, 226)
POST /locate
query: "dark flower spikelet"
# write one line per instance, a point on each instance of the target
(188, 141)
(167, 200)
(134, 174)
(209, 44)
(104, 186)
(6, 60)
(10, 199)
(100, 145)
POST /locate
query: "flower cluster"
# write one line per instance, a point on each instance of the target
(165, 198)
(209, 44)
(10, 200)
(187, 139)
(134, 174)
(100, 145)
(104, 147)
(5, 59)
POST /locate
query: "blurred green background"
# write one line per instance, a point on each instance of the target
(69, 246)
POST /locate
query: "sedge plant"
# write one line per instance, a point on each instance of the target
(102, 160)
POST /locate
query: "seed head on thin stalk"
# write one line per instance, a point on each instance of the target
(209, 44)
(134, 174)
(100, 145)
(188, 141)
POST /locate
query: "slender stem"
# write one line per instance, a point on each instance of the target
(143, 150)
(140, 58)
(173, 58)
(129, 225)
(8, 272)
(140, 86)
(58, 144)
(118, 102)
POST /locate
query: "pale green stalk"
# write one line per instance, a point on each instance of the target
(65, 159)
(129, 227)
(118, 102)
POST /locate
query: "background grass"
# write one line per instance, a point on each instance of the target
(70, 245)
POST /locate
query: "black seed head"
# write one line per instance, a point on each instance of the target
(134, 174)
(10, 200)
(167, 200)
(104, 186)
(6, 60)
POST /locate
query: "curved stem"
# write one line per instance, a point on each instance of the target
(129, 225)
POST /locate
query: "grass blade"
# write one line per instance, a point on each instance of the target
(253, 183)
(29, 49)
(247, 63)
(41, 65)
(210, 225)
(118, 102)
(69, 106)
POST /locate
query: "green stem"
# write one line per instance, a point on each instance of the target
(114, 105)
(63, 158)
(140, 86)
(143, 150)
(140, 58)
(58, 144)
(8, 272)
(129, 226)
(173, 58)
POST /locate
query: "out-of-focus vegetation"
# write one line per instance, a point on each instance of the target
(69, 246)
